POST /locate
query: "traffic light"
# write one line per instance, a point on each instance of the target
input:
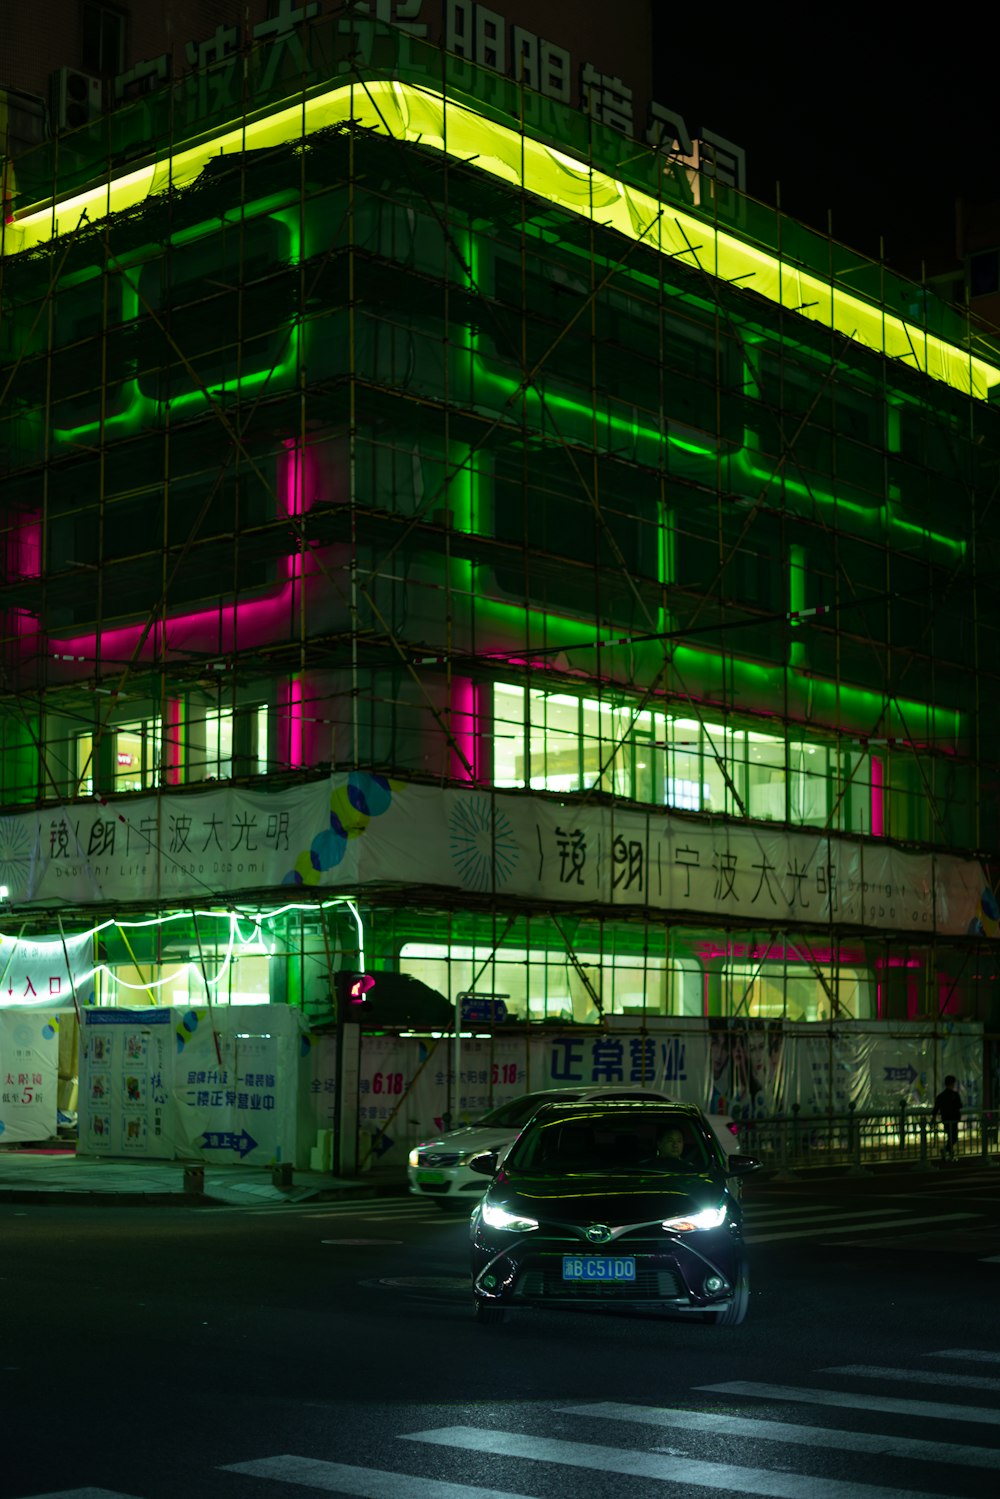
(352, 988)
(385, 998)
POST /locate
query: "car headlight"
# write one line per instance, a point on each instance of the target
(414, 1157)
(515, 1223)
(703, 1218)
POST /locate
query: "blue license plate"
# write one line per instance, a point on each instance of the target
(591, 1267)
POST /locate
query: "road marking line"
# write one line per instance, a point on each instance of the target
(680, 1471)
(991, 1259)
(916, 1376)
(368, 1483)
(975, 1355)
(812, 1233)
(785, 1431)
(933, 1410)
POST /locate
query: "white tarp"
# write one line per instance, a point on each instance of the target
(544, 850)
(236, 1079)
(29, 1075)
(46, 972)
(220, 1085)
(160, 847)
(359, 830)
(749, 1069)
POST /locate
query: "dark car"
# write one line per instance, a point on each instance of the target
(612, 1205)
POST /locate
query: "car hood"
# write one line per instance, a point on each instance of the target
(631, 1198)
(471, 1137)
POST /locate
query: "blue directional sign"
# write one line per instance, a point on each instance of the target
(381, 1144)
(228, 1139)
(477, 1011)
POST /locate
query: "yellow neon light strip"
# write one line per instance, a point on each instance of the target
(406, 112)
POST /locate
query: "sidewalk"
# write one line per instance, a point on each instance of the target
(46, 1173)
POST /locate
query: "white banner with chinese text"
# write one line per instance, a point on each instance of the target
(361, 830)
(29, 1073)
(573, 851)
(154, 848)
(46, 971)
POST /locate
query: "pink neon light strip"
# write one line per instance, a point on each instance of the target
(464, 722)
(291, 723)
(249, 624)
(878, 798)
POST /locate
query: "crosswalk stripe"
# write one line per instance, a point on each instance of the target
(809, 1217)
(916, 1376)
(85, 1494)
(785, 1431)
(367, 1483)
(667, 1468)
(814, 1233)
(974, 1355)
(827, 1215)
(933, 1410)
(789, 1205)
(791, 1209)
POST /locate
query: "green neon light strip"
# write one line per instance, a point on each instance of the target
(141, 409)
(406, 112)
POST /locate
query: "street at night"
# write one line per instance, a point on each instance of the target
(225, 1351)
(499, 753)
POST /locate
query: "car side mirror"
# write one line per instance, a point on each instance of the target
(485, 1165)
(741, 1165)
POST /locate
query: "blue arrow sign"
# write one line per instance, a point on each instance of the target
(381, 1144)
(227, 1139)
(900, 1074)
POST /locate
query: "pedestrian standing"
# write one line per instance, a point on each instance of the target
(948, 1107)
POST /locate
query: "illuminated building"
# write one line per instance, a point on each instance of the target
(621, 549)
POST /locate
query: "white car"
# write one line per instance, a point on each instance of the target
(438, 1169)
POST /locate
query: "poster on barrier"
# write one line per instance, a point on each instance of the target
(125, 1083)
(236, 1080)
(29, 1071)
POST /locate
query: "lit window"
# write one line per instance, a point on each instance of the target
(137, 755)
(83, 770)
(222, 744)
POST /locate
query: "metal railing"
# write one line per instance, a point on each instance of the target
(796, 1141)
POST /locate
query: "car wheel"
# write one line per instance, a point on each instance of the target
(487, 1311)
(736, 1312)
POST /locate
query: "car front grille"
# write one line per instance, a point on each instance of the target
(440, 1188)
(439, 1158)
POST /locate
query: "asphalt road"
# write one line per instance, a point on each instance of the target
(223, 1352)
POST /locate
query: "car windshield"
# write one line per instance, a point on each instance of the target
(599, 1145)
(516, 1111)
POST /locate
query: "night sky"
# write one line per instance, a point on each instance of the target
(883, 136)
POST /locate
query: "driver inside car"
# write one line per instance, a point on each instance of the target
(669, 1153)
